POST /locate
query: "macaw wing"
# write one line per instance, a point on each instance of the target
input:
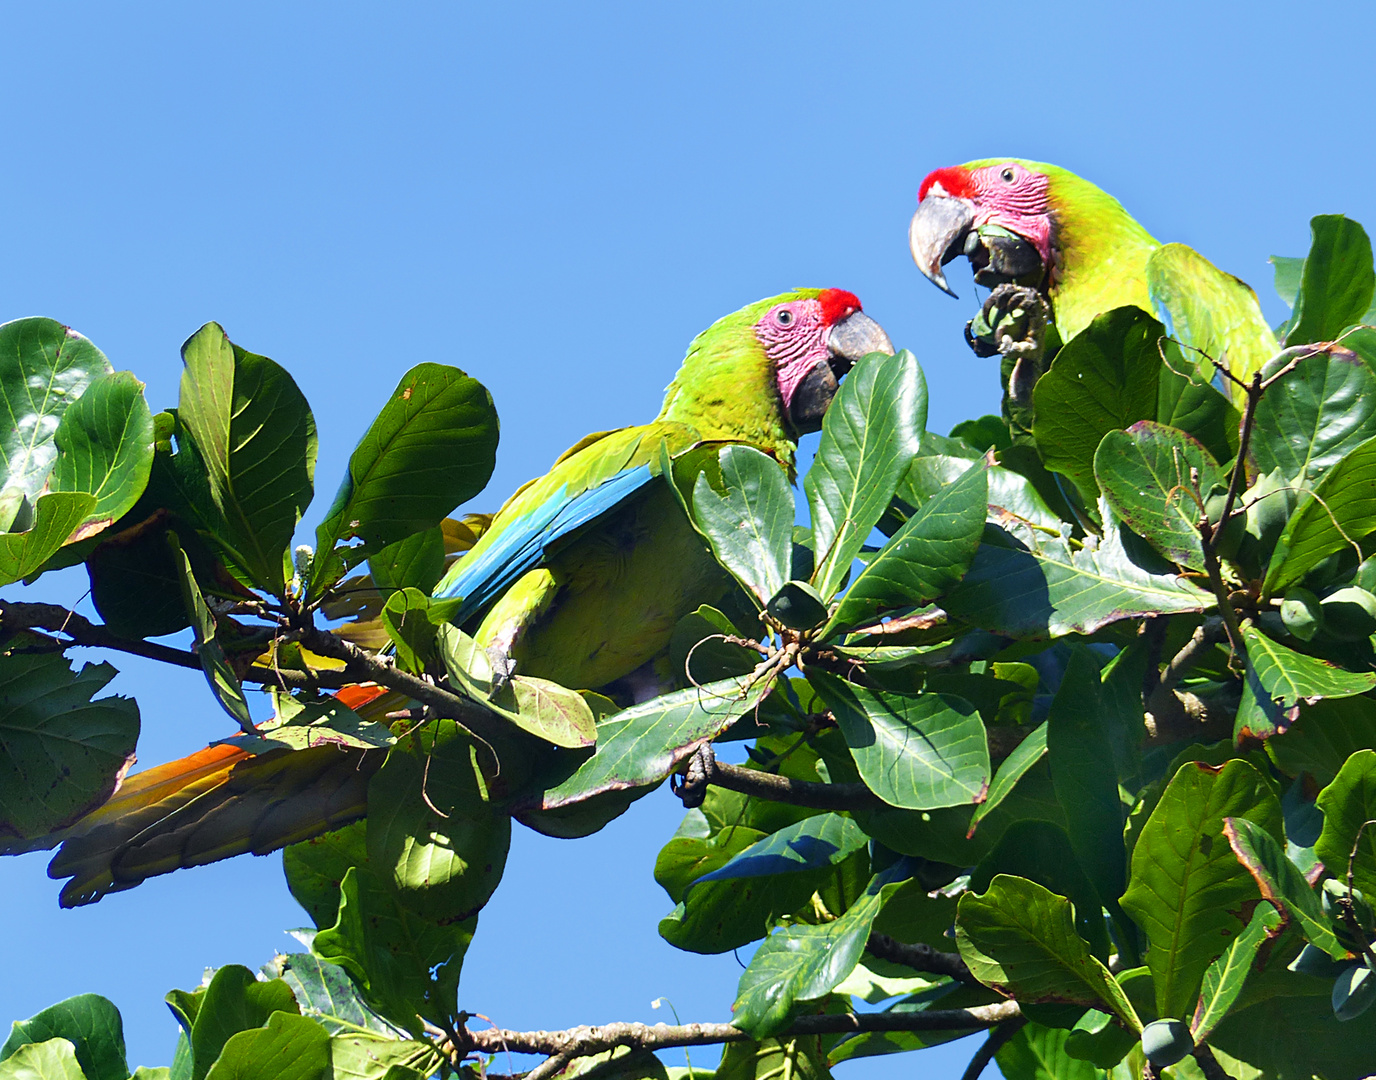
(1210, 310)
(599, 475)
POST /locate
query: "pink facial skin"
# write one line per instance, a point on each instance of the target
(1010, 196)
(794, 336)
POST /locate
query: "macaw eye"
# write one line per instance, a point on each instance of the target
(785, 317)
(1007, 175)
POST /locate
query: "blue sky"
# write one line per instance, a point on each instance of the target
(556, 198)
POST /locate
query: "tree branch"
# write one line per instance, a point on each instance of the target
(582, 1041)
(991, 1046)
(921, 957)
(795, 792)
(1208, 1064)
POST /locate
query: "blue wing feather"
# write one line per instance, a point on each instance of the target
(523, 544)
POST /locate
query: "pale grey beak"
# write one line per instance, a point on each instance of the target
(937, 235)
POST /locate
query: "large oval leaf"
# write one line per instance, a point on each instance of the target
(433, 445)
(255, 445)
(1336, 283)
(750, 524)
(870, 435)
(44, 367)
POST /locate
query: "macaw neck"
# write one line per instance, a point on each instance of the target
(1101, 255)
(727, 392)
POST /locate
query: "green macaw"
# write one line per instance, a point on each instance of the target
(580, 578)
(584, 572)
(1078, 246)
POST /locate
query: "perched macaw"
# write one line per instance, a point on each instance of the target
(580, 578)
(1085, 252)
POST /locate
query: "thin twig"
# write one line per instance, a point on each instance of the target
(921, 957)
(991, 1046)
(1249, 416)
(1208, 1064)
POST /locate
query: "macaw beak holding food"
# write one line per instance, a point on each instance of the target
(849, 339)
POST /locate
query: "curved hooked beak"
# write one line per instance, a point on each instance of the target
(938, 234)
(848, 340)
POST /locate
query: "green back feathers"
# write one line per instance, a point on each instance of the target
(726, 387)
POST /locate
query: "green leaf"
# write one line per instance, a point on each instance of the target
(412, 620)
(315, 868)
(1084, 776)
(1104, 378)
(804, 962)
(235, 1001)
(255, 437)
(1333, 517)
(325, 993)
(288, 1048)
(1315, 415)
(773, 1059)
(416, 562)
(870, 435)
(1337, 281)
(44, 367)
(1348, 804)
(1039, 1053)
(750, 523)
(219, 673)
(1028, 584)
(54, 1059)
(1281, 882)
(1226, 976)
(645, 743)
(1041, 852)
(1155, 478)
(391, 952)
(360, 1057)
(917, 753)
(302, 722)
(105, 448)
(57, 517)
(62, 749)
(927, 556)
(1289, 273)
(1196, 408)
(734, 904)
(1323, 737)
(685, 858)
(432, 447)
(90, 1023)
(431, 827)
(1010, 771)
(543, 708)
(1020, 939)
(1187, 890)
(1290, 677)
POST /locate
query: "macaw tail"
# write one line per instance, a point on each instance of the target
(212, 805)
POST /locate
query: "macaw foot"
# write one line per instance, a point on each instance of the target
(1012, 322)
(503, 668)
(691, 784)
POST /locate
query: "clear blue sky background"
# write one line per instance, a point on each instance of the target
(556, 198)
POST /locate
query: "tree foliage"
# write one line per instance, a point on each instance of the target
(1065, 731)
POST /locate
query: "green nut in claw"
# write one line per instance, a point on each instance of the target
(798, 606)
(1166, 1041)
(1302, 613)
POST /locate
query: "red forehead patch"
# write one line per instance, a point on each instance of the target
(954, 180)
(837, 304)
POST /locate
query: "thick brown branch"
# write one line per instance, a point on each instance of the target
(581, 1041)
(795, 792)
(920, 957)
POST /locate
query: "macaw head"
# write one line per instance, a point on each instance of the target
(812, 338)
(972, 210)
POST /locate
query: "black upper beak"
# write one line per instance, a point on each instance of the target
(848, 340)
(938, 233)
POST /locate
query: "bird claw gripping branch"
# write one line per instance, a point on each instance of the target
(1012, 324)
